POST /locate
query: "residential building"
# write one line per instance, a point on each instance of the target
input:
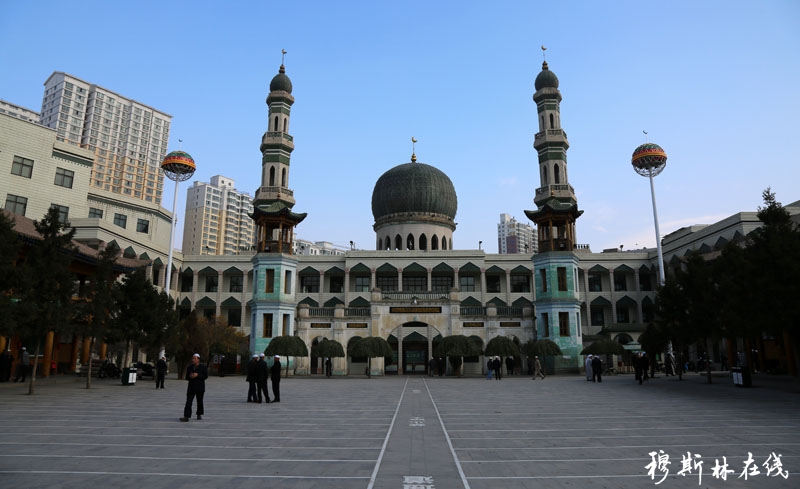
(19, 112)
(515, 237)
(128, 138)
(218, 219)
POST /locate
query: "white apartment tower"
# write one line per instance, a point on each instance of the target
(129, 139)
(218, 219)
(515, 237)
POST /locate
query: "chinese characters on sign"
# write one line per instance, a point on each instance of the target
(691, 464)
(418, 482)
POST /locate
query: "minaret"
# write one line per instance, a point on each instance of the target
(555, 266)
(274, 265)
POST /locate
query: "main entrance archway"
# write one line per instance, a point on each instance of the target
(412, 347)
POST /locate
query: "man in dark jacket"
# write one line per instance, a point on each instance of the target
(196, 374)
(263, 374)
(252, 379)
(275, 376)
(161, 372)
(497, 366)
(597, 369)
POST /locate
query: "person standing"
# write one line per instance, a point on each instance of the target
(431, 367)
(510, 366)
(537, 366)
(328, 367)
(637, 367)
(252, 379)
(489, 367)
(597, 369)
(275, 375)
(196, 374)
(161, 372)
(22, 367)
(262, 370)
(588, 365)
(497, 366)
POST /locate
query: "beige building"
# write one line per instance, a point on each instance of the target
(128, 138)
(218, 219)
(515, 237)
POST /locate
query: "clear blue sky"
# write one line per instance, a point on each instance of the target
(715, 83)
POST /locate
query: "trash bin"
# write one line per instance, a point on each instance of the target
(129, 375)
(741, 377)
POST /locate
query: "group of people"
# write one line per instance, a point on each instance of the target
(594, 368)
(641, 367)
(435, 365)
(7, 366)
(257, 374)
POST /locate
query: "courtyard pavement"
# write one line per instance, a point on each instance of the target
(409, 432)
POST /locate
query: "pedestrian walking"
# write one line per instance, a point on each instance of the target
(431, 367)
(22, 366)
(161, 372)
(597, 369)
(537, 366)
(497, 366)
(196, 374)
(275, 376)
(588, 365)
(262, 374)
(252, 379)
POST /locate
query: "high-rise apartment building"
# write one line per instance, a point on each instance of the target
(129, 139)
(19, 112)
(217, 219)
(515, 237)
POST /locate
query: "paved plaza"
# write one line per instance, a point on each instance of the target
(403, 432)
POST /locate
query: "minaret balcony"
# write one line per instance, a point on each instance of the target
(275, 193)
(275, 138)
(558, 135)
(558, 244)
(559, 190)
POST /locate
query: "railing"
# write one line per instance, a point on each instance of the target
(273, 134)
(473, 311)
(319, 312)
(509, 311)
(557, 245)
(555, 188)
(551, 132)
(275, 190)
(409, 296)
(357, 311)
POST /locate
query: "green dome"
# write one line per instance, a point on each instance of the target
(281, 82)
(415, 188)
(546, 78)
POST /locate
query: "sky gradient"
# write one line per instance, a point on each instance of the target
(715, 83)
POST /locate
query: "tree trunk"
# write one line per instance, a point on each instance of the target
(32, 383)
(679, 367)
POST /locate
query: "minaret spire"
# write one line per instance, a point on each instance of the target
(413, 151)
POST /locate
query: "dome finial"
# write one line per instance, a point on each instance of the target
(645, 135)
(413, 150)
(283, 56)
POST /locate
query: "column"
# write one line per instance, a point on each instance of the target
(220, 280)
(638, 296)
(400, 359)
(483, 286)
(321, 288)
(430, 284)
(346, 286)
(508, 287)
(195, 286)
(372, 282)
(48, 353)
(399, 279)
(613, 296)
(243, 320)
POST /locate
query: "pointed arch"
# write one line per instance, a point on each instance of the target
(410, 242)
(444, 243)
(557, 173)
(272, 176)
(283, 177)
(434, 242)
(388, 245)
(398, 242)
(545, 182)
(285, 124)
(275, 127)
(552, 125)
(423, 242)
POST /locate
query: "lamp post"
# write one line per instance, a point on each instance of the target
(178, 166)
(649, 160)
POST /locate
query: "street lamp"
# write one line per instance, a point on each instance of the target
(649, 160)
(178, 166)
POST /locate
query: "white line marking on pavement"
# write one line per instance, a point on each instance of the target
(584, 447)
(386, 440)
(447, 437)
(304, 460)
(169, 474)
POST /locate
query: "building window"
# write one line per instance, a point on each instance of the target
(142, 226)
(620, 283)
(186, 283)
(543, 277)
(645, 284)
(336, 284)
(598, 318)
(387, 284)
(563, 324)
(235, 317)
(95, 213)
(16, 204)
(287, 282)
(212, 282)
(64, 177)
(520, 283)
(441, 284)
(595, 282)
(236, 284)
(269, 281)
(309, 284)
(493, 283)
(362, 284)
(467, 284)
(546, 323)
(63, 213)
(121, 220)
(22, 167)
(561, 273)
(266, 331)
(622, 314)
(415, 284)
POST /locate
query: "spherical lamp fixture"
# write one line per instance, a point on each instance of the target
(649, 160)
(178, 166)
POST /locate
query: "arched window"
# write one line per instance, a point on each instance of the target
(551, 121)
(444, 243)
(272, 176)
(544, 177)
(423, 242)
(543, 126)
(557, 173)
(283, 177)
(410, 242)
(285, 122)
(275, 127)
(388, 243)
(398, 242)
(435, 242)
